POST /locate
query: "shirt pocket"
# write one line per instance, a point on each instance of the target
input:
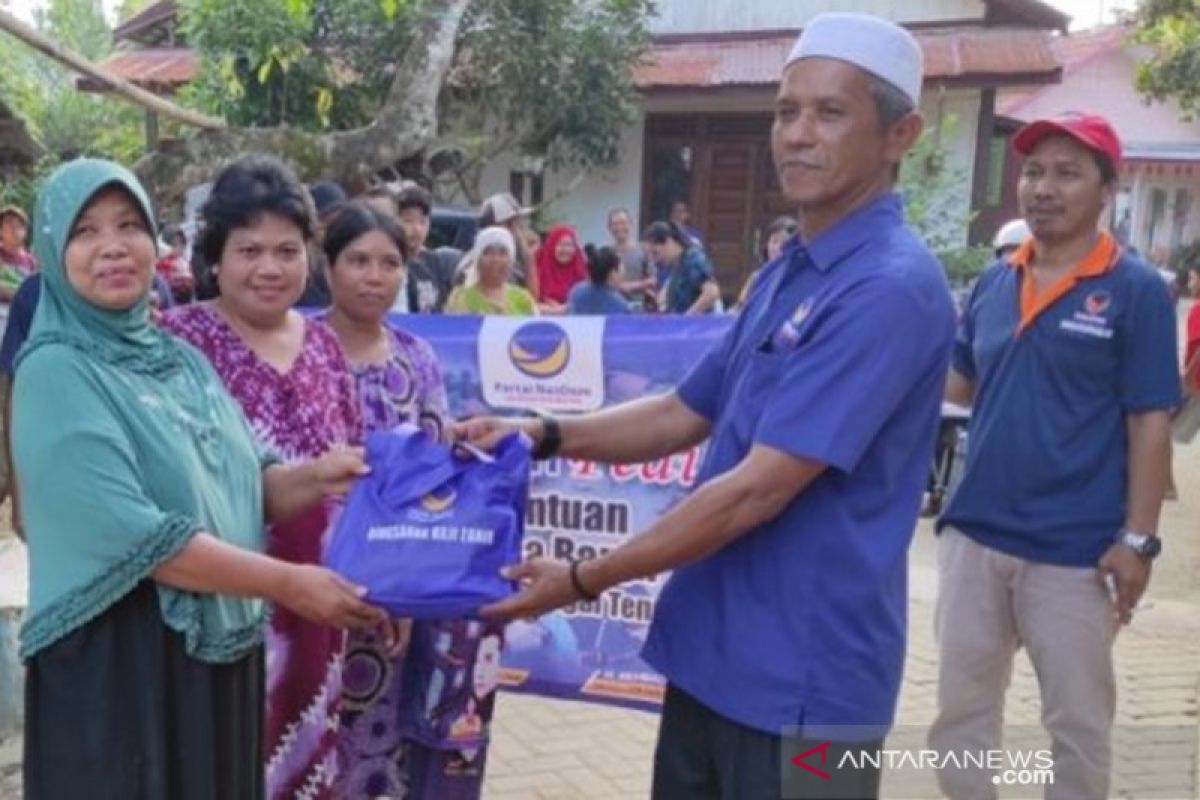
(756, 382)
(1084, 354)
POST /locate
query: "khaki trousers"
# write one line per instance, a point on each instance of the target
(990, 604)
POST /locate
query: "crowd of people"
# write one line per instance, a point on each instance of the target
(183, 437)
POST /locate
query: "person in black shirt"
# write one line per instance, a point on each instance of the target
(430, 273)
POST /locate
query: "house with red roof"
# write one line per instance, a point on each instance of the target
(708, 87)
(1157, 209)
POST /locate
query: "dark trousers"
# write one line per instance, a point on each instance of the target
(704, 756)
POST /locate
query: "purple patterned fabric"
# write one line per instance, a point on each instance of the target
(376, 758)
(300, 414)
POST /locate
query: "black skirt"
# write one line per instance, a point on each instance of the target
(119, 710)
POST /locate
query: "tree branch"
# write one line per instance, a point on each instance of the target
(119, 86)
(407, 122)
(405, 125)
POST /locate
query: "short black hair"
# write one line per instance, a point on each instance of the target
(1108, 172)
(356, 219)
(602, 262)
(660, 231)
(244, 191)
(171, 233)
(415, 196)
(891, 104)
(786, 225)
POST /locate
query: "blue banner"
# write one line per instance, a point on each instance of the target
(578, 509)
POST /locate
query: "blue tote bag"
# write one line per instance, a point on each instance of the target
(428, 531)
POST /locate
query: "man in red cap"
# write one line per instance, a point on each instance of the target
(1066, 351)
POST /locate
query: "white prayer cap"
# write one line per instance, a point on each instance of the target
(870, 43)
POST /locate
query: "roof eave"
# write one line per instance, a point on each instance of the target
(971, 81)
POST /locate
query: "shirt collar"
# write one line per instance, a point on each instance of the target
(1102, 258)
(851, 232)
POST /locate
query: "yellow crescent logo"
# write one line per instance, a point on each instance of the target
(545, 367)
(435, 505)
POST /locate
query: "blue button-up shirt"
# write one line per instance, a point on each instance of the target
(839, 357)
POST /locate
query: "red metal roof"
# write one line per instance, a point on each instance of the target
(155, 69)
(978, 56)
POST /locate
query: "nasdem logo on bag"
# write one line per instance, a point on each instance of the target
(439, 501)
(553, 366)
(540, 349)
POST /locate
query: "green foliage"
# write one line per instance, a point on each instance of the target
(130, 8)
(23, 191)
(551, 77)
(311, 64)
(1186, 258)
(67, 122)
(1172, 29)
(935, 205)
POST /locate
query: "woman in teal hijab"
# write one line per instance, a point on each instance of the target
(144, 498)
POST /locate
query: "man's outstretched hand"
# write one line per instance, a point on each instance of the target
(545, 586)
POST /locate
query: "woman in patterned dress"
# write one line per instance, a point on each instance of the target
(295, 388)
(399, 381)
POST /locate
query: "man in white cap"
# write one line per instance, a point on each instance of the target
(781, 632)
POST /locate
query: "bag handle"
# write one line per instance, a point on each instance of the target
(440, 467)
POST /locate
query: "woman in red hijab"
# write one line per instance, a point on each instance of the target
(560, 264)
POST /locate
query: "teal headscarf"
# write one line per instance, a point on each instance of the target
(125, 444)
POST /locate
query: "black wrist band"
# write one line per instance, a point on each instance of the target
(577, 584)
(551, 438)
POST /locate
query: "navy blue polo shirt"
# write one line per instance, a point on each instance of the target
(20, 319)
(1045, 477)
(840, 357)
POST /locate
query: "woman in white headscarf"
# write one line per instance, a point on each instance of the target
(486, 289)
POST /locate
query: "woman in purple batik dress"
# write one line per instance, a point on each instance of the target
(386, 747)
(293, 383)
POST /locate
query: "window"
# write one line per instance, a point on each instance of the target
(528, 187)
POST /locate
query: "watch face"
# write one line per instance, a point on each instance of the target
(1142, 544)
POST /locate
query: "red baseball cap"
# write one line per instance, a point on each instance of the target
(1092, 131)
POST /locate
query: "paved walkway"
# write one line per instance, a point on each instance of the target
(559, 750)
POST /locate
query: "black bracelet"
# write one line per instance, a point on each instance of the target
(578, 584)
(551, 438)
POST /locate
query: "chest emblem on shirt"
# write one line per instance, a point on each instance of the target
(788, 335)
(802, 311)
(1091, 320)
(1097, 303)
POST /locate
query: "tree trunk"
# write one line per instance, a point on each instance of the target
(405, 125)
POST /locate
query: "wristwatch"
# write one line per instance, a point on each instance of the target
(551, 437)
(1145, 545)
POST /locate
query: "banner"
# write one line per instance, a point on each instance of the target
(579, 509)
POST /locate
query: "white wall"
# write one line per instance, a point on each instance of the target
(707, 16)
(586, 204)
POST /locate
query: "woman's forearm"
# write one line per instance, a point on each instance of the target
(210, 566)
(289, 489)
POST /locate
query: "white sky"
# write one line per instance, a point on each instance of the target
(1085, 13)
